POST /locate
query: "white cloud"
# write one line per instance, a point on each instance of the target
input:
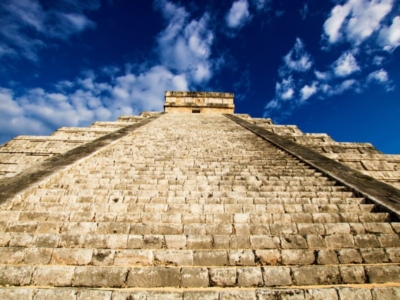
(285, 89)
(322, 75)
(334, 23)
(389, 37)
(356, 20)
(379, 75)
(238, 14)
(26, 26)
(297, 59)
(345, 65)
(308, 90)
(186, 46)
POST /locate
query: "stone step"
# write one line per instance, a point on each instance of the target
(228, 211)
(175, 196)
(352, 236)
(209, 216)
(221, 204)
(134, 226)
(367, 292)
(196, 277)
(196, 258)
(143, 189)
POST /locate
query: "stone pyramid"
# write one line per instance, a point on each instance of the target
(197, 203)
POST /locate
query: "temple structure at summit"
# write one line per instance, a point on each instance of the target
(197, 202)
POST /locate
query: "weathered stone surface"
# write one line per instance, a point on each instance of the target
(53, 276)
(99, 277)
(316, 275)
(222, 276)
(194, 277)
(248, 277)
(359, 294)
(55, 294)
(154, 277)
(13, 294)
(276, 276)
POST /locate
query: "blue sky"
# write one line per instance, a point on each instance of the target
(327, 66)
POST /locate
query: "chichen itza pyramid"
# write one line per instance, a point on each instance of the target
(197, 203)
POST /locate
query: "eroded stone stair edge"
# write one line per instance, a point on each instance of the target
(9, 187)
(378, 192)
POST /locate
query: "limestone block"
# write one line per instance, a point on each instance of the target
(387, 293)
(154, 277)
(53, 276)
(222, 277)
(210, 258)
(327, 257)
(276, 276)
(173, 257)
(50, 294)
(359, 294)
(349, 256)
(381, 274)
(66, 256)
(15, 275)
(241, 258)
(250, 276)
(103, 257)
(321, 294)
(194, 277)
(99, 277)
(316, 275)
(16, 294)
(38, 256)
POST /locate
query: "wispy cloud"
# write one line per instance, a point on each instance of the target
(345, 65)
(304, 11)
(26, 26)
(297, 59)
(291, 91)
(308, 90)
(239, 14)
(261, 5)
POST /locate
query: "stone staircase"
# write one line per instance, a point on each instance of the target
(194, 206)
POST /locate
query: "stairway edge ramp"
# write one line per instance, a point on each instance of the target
(10, 187)
(380, 193)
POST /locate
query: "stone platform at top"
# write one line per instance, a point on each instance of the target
(199, 102)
